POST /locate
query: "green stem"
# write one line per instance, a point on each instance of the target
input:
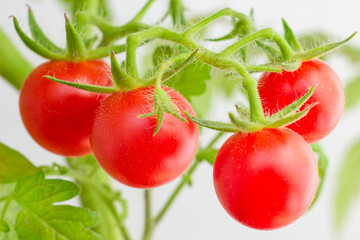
(122, 227)
(115, 33)
(103, 51)
(176, 9)
(96, 198)
(6, 206)
(225, 12)
(263, 68)
(267, 33)
(187, 58)
(134, 41)
(205, 55)
(256, 109)
(215, 139)
(110, 32)
(183, 182)
(175, 193)
(4, 198)
(322, 167)
(84, 182)
(138, 17)
(91, 7)
(149, 221)
(14, 68)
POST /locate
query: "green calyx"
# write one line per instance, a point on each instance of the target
(122, 82)
(242, 121)
(300, 55)
(162, 102)
(76, 50)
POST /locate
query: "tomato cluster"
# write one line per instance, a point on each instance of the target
(73, 122)
(264, 179)
(268, 179)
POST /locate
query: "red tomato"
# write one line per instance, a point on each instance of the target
(124, 144)
(266, 179)
(277, 90)
(59, 117)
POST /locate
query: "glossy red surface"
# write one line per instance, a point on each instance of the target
(266, 179)
(277, 90)
(124, 144)
(59, 117)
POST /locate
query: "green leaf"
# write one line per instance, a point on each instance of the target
(13, 66)
(322, 167)
(161, 54)
(176, 55)
(11, 212)
(352, 91)
(41, 220)
(348, 184)
(4, 226)
(13, 165)
(208, 155)
(191, 81)
(290, 37)
(88, 169)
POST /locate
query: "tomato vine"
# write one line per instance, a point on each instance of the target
(167, 118)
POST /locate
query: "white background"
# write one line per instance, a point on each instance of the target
(197, 214)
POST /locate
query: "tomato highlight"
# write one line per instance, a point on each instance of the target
(277, 90)
(124, 145)
(59, 117)
(266, 179)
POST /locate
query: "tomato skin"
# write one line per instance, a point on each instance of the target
(124, 144)
(59, 117)
(266, 179)
(277, 90)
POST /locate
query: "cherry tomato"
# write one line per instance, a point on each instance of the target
(277, 90)
(124, 144)
(266, 179)
(59, 117)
